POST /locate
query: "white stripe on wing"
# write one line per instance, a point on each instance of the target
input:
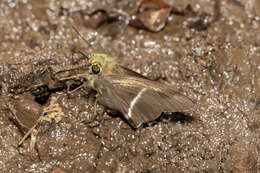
(133, 102)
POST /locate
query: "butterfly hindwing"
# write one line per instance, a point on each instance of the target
(138, 99)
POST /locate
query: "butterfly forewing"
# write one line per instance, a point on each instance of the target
(138, 99)
(113, 68)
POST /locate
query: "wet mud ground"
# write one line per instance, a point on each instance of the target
(210, 52)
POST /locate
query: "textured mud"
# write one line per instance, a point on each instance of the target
(211, 54)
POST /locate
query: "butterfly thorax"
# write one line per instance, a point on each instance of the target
(91, 80)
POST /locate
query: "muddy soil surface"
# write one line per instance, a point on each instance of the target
(208, 50)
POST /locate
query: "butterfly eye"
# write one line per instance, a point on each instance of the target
(95, 69)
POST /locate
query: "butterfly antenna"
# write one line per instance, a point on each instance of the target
(75, 29)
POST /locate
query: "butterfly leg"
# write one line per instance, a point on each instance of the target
(95, 96)
(95, 107)
(95, 103)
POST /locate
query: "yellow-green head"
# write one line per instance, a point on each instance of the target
(98, 61)
(102, 64)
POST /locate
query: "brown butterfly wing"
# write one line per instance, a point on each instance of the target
(138, 99)
(115, 69)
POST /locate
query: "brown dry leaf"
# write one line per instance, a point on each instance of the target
(151, 15)
(58, 170)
